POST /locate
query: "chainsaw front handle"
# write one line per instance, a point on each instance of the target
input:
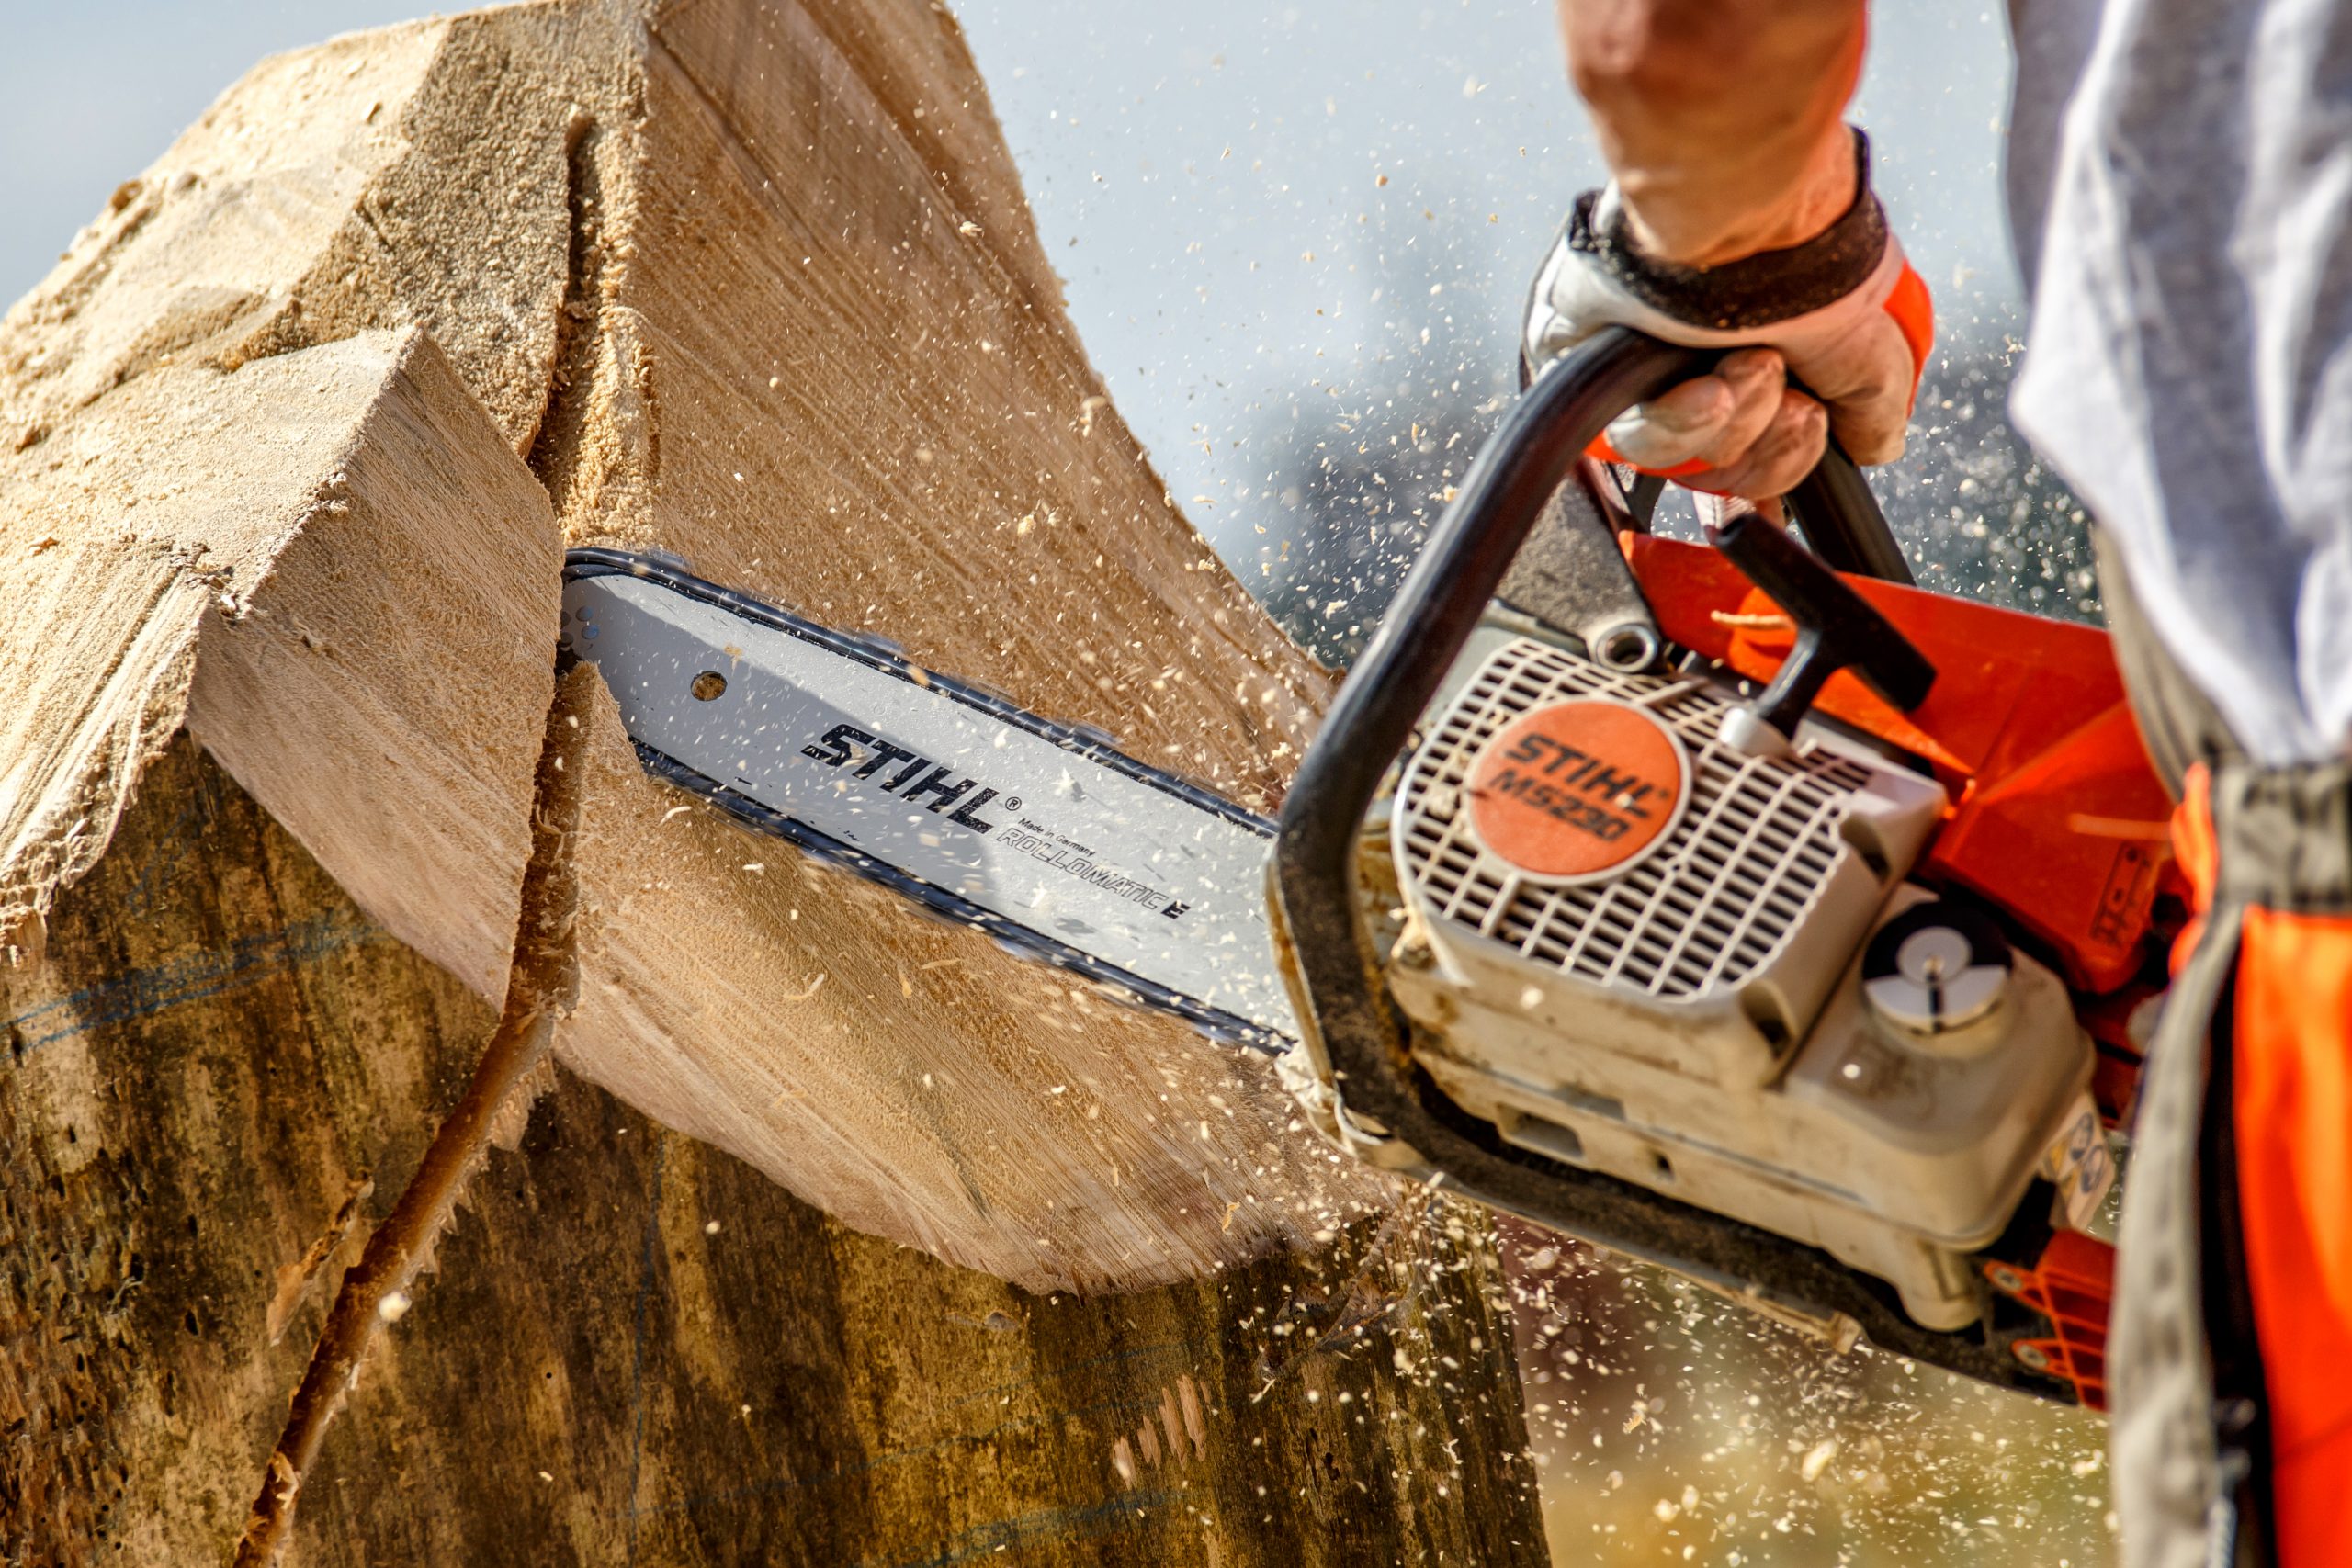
(1841, 520)
(1343, 995)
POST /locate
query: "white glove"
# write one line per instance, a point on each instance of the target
(1843, 313)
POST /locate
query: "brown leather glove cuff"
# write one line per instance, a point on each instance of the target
(1753, 291)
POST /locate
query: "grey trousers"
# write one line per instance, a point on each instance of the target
(2189, 1433)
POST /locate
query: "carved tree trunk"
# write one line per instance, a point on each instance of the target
(635, 1348)
(290, 802)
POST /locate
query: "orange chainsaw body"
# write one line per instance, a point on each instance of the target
(2058, 821)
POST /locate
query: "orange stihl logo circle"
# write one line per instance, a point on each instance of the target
(1578, 790)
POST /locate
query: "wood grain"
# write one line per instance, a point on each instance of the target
(636, 1350)
(752, 283)
(294, 438)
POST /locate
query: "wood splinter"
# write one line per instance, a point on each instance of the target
(542, 987)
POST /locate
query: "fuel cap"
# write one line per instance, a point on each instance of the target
(1937, 967)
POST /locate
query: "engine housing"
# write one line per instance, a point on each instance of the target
(1636, 950)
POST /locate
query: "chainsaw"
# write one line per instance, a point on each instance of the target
(1738, 906)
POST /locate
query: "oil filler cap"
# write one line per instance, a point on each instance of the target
(1937, 967)
(1580, 790)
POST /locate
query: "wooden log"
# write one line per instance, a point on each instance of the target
(293, 441)
(637, 1350)
(750, 283)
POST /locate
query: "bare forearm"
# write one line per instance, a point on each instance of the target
(1721, 119)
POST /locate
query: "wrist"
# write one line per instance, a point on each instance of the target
(1846, 254)
(1825, 189)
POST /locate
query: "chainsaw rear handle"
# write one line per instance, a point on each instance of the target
(1339, 986)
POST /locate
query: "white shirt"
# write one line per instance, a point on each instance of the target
(2180, 184)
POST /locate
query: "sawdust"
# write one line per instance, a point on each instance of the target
(292, 440)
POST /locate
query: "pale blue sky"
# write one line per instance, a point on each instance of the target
(1198, 155)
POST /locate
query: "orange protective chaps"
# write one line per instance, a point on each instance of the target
(2232, 1346)
(2230, 1356)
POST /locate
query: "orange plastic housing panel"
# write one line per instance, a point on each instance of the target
(2071, 1284)
(2058, 819)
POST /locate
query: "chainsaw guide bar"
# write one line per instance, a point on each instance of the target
(1574, 920)
(1042, 834)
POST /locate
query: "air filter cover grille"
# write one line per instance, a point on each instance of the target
(1711, 909)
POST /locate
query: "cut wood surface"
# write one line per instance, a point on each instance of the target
(291, 443)
(636, 1350)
